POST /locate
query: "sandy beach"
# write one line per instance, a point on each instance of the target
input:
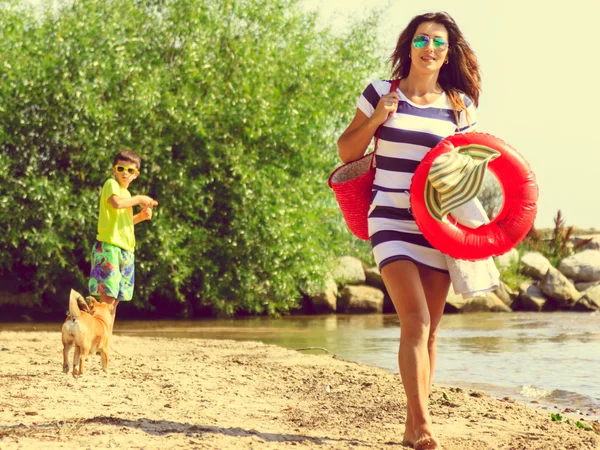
(201, 394)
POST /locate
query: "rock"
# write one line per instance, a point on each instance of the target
(535, 265)
(559, 288)
(454, 302)
(507, 259)
(349, 270)
(506, 294)
(594, 244)
(373, 278)
(489, 303)
(326, 301)
(583, 266)
(583, 286)
(531, 298)
(585, 304)
(360, 299)
(593, 296)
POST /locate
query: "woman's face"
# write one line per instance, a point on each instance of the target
(432, 38)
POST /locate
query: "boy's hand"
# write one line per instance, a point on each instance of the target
(147, 202)
(146, 214)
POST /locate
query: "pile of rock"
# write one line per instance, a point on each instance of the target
(573, 285)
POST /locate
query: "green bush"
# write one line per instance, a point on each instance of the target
(555, 246)
(235, 107)
(512, 276)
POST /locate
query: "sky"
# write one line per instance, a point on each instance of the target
(540, 63)
(540, 67)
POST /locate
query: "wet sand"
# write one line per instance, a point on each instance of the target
(206, 394)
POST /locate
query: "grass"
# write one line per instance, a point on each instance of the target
(511, 275)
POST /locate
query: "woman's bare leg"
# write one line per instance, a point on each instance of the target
(403, 283)
(436, 285)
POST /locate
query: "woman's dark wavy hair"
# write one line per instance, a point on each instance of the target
(461, 74)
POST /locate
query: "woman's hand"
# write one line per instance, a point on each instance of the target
(388, 104)
(355, 140)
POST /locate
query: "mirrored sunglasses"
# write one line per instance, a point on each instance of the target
(130, 170)
(421, 41)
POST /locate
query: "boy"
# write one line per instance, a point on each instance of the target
(112, 273)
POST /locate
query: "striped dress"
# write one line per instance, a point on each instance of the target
(404, 140)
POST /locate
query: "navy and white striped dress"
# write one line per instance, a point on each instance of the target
(404, 140)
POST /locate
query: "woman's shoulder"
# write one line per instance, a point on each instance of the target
(382, 87)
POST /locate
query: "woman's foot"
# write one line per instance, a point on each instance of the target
(409, 437)
(424, 439)
(427, 443)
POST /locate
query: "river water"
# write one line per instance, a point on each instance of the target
(553, 358)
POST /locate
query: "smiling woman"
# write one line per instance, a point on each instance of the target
(437, 93)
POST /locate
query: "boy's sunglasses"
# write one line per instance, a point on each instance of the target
(130, 170)
(421, 41)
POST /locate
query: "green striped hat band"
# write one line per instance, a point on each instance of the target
(455, 178)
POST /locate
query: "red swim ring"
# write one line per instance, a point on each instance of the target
(507, 229)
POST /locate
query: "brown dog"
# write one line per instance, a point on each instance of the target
(89, 330)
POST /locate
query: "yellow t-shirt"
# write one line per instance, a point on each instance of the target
(115, 226)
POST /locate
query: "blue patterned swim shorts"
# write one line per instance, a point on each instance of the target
(112, 272)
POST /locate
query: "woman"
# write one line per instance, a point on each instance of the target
(438, 92)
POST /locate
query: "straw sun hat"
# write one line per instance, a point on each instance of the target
(455, 178)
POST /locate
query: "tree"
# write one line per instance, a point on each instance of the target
(235, 107)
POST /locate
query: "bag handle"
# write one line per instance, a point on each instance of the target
(393, 86)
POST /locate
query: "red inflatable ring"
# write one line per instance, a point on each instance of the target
(507, 229)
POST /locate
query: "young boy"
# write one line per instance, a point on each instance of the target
(112, 273)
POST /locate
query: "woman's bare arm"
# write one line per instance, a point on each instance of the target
(356, 138)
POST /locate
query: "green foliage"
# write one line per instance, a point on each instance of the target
(556, 247)
(556, 417)
(235, 107)
(511, 275)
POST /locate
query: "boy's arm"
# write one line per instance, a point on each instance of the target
(143, 200)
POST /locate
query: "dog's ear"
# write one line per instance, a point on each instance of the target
(82, 304)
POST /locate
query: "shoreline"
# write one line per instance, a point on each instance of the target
(542, 400)
(207, 394)
(548, 407)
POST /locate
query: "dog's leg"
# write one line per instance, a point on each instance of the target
(76, 360)
(66, 350)
(104, 356)
(84, 352)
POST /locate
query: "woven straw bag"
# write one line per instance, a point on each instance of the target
(352, 185)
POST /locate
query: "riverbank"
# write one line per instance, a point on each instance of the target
(204, 394)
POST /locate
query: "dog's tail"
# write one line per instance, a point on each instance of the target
(73, 306)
